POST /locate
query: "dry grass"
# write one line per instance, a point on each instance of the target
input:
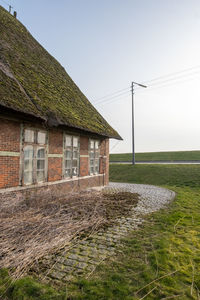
(31, 230)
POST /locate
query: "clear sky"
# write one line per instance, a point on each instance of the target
(106, 44)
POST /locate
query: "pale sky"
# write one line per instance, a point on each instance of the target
(106, 44)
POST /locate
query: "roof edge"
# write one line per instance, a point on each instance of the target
(14, 113)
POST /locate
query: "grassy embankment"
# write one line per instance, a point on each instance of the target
(157, 156)
(161, 260)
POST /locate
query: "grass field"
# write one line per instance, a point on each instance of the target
(161, 260)
(160, 156)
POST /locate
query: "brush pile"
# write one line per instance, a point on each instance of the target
(32, 230)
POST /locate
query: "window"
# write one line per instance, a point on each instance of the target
(94, 152)
(71, 156)
(34, 156)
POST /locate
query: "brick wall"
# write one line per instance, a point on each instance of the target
(10, 162)
(55, 143)
(9, 136)
(84, 158)
(50, 190)
(54, 168)
(9, 171)
(9, 145)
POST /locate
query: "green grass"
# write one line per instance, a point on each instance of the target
(168, 175)
(27, 288)
(162, 258)
(153, 156)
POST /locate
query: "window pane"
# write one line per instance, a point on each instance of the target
(97, 154)
(91, 154)
(29, 136)
(28, 177)
(40, 176)
(28, 165)
(91, 144)
(28, 152)
(67, 172)
(40, 164)
(75, 163)
(68, 140)
(68, 154)
(68, 164)
(96, 166)
(97, 145)
(71, 155)
(41, 137)
(75, 141)
(74, 172)
(91, 170)
(75, 154)
(40, 153)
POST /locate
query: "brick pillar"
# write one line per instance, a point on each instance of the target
(84, 156)
(107, 161)
(104, 160)
(56, 150)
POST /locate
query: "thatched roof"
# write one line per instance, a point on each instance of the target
(33, 82)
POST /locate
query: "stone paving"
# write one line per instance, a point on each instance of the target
(86, 254)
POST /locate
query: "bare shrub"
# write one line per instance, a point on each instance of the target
(31, 230)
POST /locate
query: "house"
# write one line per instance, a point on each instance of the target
(52, 140)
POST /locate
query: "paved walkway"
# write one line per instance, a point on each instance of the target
(87, 254)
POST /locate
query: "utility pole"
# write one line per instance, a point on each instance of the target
(133, 137)
(133, 142)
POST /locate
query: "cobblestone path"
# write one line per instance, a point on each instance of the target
(85, 255)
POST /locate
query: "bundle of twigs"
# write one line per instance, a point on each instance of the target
(31, 230)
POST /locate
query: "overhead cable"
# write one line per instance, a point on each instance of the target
(109, 95)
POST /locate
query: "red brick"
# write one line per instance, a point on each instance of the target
(55, 142)
(9, 136)
(10, 165)
(9, 171)
(54, 168)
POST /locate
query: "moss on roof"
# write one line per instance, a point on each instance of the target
(33, 82)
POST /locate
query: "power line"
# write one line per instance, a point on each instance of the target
(169, 84)
(112, 97)
(111, 94)
(152, 80)
(174, 73)
(174, 78)
(114, 100)
(156, 85)
(159, 84)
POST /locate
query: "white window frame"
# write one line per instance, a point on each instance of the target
(35, 148)
(94, 157)
(68, 171)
